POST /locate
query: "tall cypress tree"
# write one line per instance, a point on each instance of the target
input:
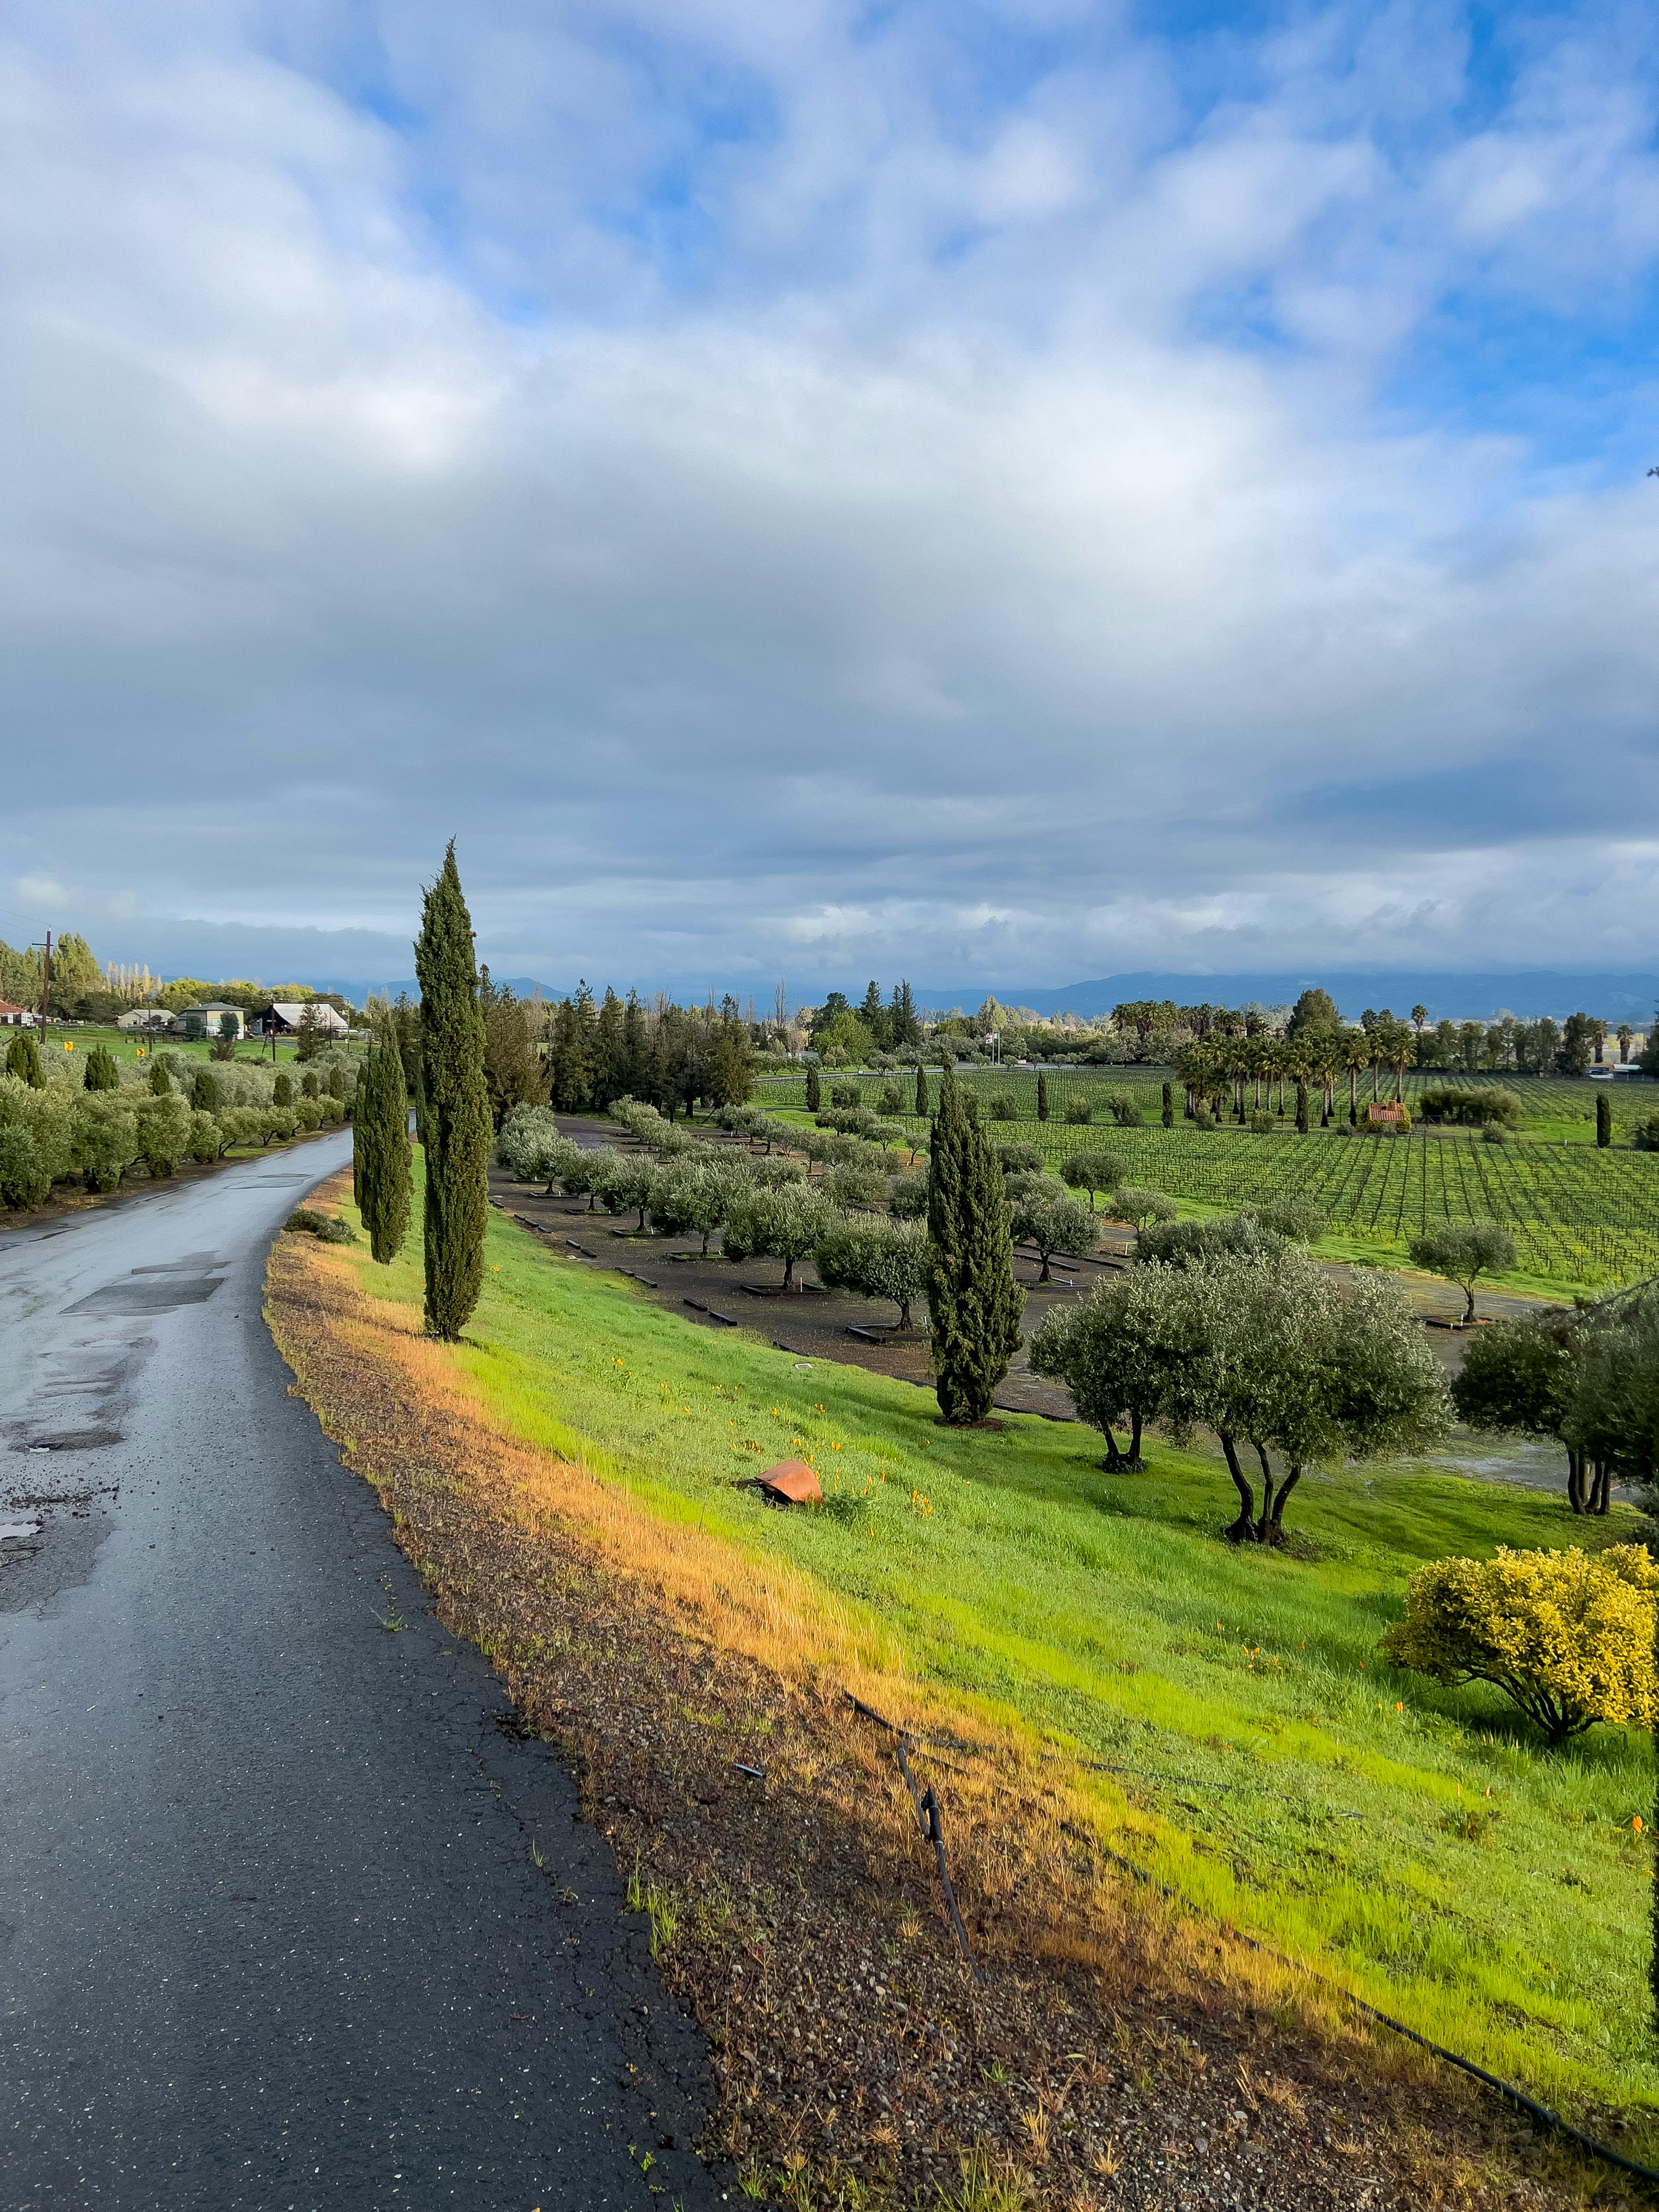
(23, 1060)
(380, 1133)
(1042, 1095)
(814, 1089)
(975, 1303)
(456, 1104)
(922, 1104)
(1168, 1106)
(1604, 1119)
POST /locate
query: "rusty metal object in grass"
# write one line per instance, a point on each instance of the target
(790, 1482)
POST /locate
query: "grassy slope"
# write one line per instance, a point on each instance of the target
(1354, 1824)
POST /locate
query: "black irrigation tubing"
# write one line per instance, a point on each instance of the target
(932, 1827)
(1542, 2114)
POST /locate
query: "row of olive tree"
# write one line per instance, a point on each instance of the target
(1243, 1335)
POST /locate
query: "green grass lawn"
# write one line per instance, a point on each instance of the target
(1416, 1843)
(127, 1044)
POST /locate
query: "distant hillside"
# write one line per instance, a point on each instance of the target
(1525, 993)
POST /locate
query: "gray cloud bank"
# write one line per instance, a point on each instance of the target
(919, 562)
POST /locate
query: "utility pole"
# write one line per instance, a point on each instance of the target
(45, 985)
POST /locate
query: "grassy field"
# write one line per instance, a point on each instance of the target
(1250, 1749)
(1580, 1217)
(128, 1046)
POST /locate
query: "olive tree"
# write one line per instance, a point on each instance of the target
(1140, 1208)
(786, 1223)
(878, 1259)
(1121, 1353)
(1521, 1378)
(907, 1196)
(1463, 1251)
(693, 1197)
(1093, 1171)
(1045, 1217)
(532, 1149)
(629, 1184)
(856, 1185)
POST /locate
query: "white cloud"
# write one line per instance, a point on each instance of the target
(40, 894)
(774, 499)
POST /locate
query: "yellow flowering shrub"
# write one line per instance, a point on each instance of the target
(1567, 1635)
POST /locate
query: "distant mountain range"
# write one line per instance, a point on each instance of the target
(1525, 993)
(1477, 995)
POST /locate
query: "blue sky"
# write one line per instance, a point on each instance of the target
(1004, 492)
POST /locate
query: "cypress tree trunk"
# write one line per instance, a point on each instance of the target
(923, 1105)
(456, 1106)
(1042, 1095)
(972, 1296)
(382, 1128)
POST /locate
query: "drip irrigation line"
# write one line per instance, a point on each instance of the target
(927, 1813)
(930, 1820)
(1544, 2115)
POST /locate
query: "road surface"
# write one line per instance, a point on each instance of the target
(271, 1932)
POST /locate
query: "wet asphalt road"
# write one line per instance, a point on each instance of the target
(271, 1932)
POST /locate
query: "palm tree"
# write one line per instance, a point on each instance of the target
(1400, 1045)
(1626, 1038)
(1356, 1054)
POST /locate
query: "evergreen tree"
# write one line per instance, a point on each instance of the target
(204, 1091)
(380, 1141)
(1301, 1108)
(732, 1064)
(814, 1092)
(1042, 1095)
(23, 1060)
(160, 1083)
(513, 1068)
(609, 1051)
(309, 1086)
(877, 1019)
(904, 1026)
(923, 1105)
(456, 1105)
(337, 1083)
(1168, 1106)
(637, 1077)
(972, 1296)
(281, 1090)
(101, 1072)
(1604, 1120)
